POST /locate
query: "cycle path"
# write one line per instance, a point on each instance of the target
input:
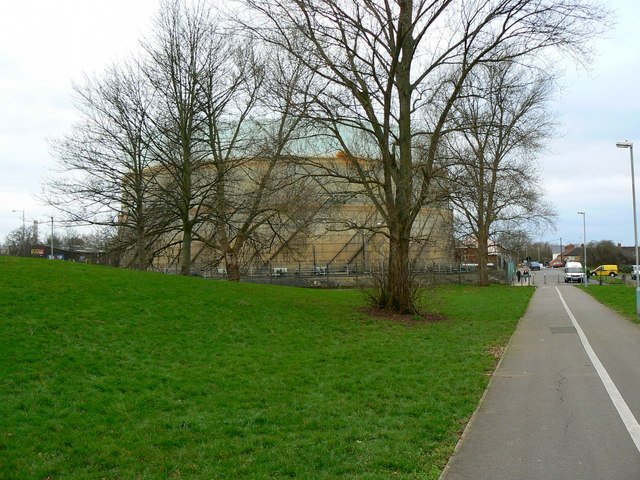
(564, 399)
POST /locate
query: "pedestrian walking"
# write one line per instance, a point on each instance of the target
(518, 274)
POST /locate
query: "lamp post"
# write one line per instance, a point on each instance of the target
(24, 232)
(629, 145)
(585, 279)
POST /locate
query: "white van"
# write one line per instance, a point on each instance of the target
(573, 272)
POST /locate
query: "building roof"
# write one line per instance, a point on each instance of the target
(574, 252)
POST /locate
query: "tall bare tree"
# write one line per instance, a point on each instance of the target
(390, 74)
(249, 127)
(180, 57)
(222, 140)
(231, 95)
(104, 173)
(495, 182)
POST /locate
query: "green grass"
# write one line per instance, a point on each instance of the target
(606, 279)
(621, 298)
(117, 374)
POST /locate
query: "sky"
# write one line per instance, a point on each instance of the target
(45, 46)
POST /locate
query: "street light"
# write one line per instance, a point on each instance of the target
(629, 145)
(585, 279)
(24, 232)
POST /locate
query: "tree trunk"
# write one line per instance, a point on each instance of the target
(140, 261)
(483, 255)
(400, 297)
(232, 263)
(186, 252)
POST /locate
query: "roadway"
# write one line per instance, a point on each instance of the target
(564, 399)
(553, 276)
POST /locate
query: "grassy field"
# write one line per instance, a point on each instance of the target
(621, 298)
(120, 374)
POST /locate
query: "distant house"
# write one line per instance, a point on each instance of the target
(468, 253)
(561, 256)
(574, 255)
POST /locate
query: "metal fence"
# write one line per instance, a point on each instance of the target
(312, 275)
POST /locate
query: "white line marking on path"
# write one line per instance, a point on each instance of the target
(623, 409)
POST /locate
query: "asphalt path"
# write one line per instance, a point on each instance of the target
(548, 276)
(564, 399)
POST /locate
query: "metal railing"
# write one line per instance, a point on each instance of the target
(433, 272)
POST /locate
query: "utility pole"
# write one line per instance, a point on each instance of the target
(35, 232)
(52, 256)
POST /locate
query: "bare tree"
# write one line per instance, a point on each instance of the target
(542, 252)
(503, 123)
(390, 74)
(19, 242)
(250, 123)
(221, 144)
(180, 57)
(515, 243)
(230, 96)
(105, 176)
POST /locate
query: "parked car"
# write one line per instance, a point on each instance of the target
(535, 266)
(605, 271)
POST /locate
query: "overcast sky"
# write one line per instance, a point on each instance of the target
(46, 45)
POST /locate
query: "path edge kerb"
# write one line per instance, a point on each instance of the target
(483, 397)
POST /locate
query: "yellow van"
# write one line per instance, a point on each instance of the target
(606, 270)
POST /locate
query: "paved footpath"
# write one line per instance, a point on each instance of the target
(564, 399)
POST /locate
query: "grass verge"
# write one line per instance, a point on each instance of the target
(621, 298)
(120, 374)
